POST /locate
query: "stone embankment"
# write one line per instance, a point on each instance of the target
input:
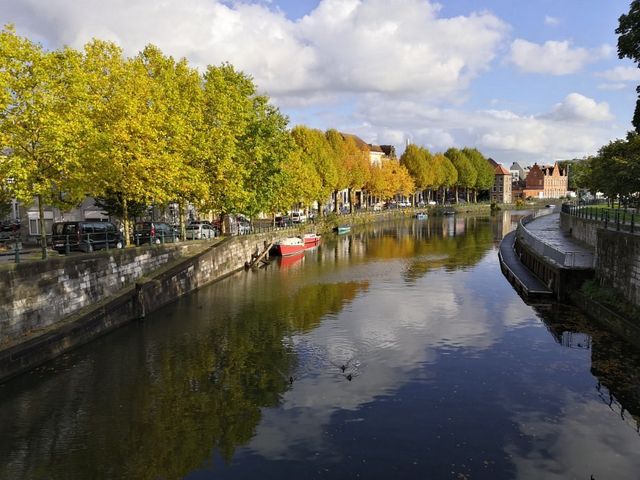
(49, 307)
(617, 261)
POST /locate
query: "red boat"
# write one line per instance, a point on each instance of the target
(311, 239)
(289, 246)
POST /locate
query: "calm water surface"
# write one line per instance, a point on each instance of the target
(399, 351)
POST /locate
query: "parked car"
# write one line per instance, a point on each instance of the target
(9, 230)
(85, 236)
(244, 226)
(200, 230)
(154, 232)
(378, 206)
(283, 221)
(298, 217)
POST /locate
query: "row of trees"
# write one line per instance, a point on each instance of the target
(465, 169)
(152, 130)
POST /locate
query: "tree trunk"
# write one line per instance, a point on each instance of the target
(125, 221)
(456, 191)
(350, 193)
(43, 231)
(182, 210)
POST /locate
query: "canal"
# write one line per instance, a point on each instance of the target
(398, 351)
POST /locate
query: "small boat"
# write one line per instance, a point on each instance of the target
(310, 239)
(342, 229)
(421, 216)
(289, 246)
(449, 212)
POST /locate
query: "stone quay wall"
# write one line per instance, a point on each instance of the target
(581, 229)
(618, 263)
(49, 307)
(617, 254)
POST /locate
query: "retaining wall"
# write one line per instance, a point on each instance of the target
(581, 228)
(53, 306)
(618, 263)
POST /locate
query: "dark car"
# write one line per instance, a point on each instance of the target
(154, 232)
(283, 221)
(85, 236)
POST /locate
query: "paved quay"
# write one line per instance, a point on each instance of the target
(518, 275)
(547, 230)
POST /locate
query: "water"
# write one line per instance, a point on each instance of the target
(399, 351)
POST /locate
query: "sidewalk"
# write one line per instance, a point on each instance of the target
(547, 230)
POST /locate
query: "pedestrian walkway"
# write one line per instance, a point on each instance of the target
(518, 275)
(545, 236)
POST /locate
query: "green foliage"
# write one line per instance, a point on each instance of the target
(417, 160)
(467, 174)
(484, 171)
(629, 45)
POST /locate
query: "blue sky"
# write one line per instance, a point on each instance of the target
(531, 81)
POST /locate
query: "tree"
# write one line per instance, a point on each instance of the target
(177, 101)
(467, 175)
(315, 151)
(228, 109)
(485, 174)
(615, 171)
(127, 149)
(337, 156)
(357, 168)
(629, 46)
(448, 174)
(43, 128)
(416, 160)
(265, 149)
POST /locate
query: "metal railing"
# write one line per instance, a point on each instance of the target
(608, 218)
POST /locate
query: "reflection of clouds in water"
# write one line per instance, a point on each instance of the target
(383, 336)
(585, 441)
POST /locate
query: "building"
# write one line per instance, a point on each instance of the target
(549, 181)
(501, 191)
(517, 172)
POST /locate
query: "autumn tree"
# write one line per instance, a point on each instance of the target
(126, 152)
(43, 128)
(315, 151)
(417, 160)
(177, 100)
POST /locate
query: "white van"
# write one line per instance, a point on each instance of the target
(298, 217)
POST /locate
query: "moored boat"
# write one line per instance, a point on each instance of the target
(289, 246)
(341, 229)
(310, 239)
(421, 216)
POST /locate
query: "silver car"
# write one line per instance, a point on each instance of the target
(199, 231)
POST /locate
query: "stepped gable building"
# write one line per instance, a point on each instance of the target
(547, 181)
(501, 191)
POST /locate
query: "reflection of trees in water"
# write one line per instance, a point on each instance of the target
(450, 242)
(162, 408)
(614, 362)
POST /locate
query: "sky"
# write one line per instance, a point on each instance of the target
(525, 81)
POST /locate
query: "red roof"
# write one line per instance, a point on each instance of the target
(500, 170)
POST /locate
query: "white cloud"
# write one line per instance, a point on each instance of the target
(390, 46)
(553, 57)
(578, 108)
(552, 21)
(575, 127)
(621, 74)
